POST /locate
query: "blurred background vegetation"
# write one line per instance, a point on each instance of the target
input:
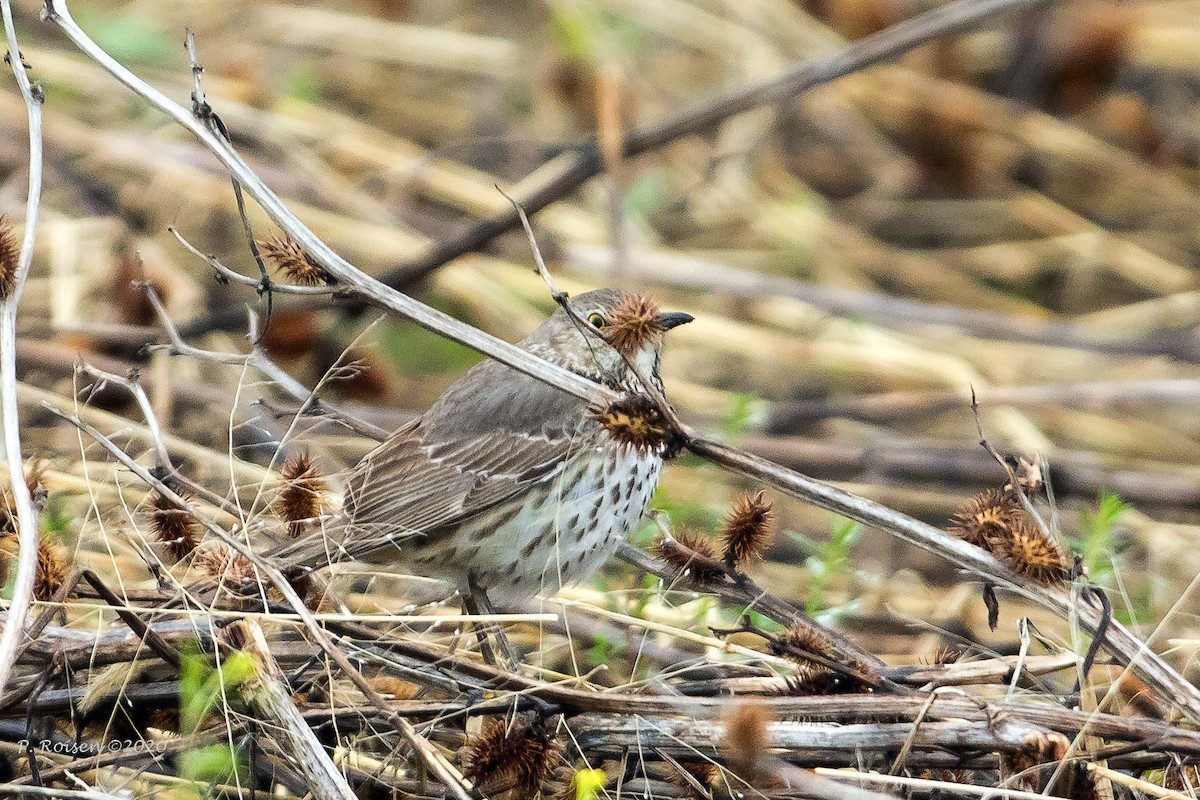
(1012, 209)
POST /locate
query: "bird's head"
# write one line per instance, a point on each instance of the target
(625, 324)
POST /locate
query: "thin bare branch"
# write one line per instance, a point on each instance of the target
(227, 274)
(27, 513)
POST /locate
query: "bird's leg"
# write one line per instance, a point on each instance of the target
(477, 603)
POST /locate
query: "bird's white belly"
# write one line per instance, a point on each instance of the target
(561, 531)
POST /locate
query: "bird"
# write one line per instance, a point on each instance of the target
(507, 487)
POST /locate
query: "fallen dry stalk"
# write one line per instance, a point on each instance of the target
(270, 695)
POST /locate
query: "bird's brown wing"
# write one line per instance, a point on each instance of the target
(491, 436)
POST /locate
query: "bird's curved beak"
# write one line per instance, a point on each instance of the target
(673, 319)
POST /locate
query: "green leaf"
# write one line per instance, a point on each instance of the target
(218, 763)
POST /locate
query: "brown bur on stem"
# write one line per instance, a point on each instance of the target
(995, 520)
(173, 527)
(296, 265)
(301, 498)
(9, 259)
(521, 753)
(748, 532)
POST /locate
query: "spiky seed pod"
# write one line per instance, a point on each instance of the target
(10, 254)
(690, 554)
(637, 421)
(51, 569)
(799, 640)
(174, 528)
(301, 493)
(821, 682)
(1031, 553)
(231, 568)
(51, 564)
(706, 773)
(802, 639)
(521, 754)
(312, 593)
(394, 688)
(948, 654)
(744, 743)
(987, 516)
(297, 266)
(34, 481)
(633, 324)
(747, 532)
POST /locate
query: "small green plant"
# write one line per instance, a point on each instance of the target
(1097, 544)
(201, 689)
(829, 560)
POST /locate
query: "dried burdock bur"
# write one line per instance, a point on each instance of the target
(635, 420)
(394, 688)
(1021, 769)
(129, 297)
(947, 654)
(309, 591)
(818, 682)
(291, 333)
(51, 568)
(1072, 55)
(10, 253)
(234, 571)
(296, 265)
(35, 483)
(748, 529)
(520, 753)
(1077, 783)
(705, 773)
(360, 375)
(689, 554)
(301, 497)
(51, 564)
(799, 640)
(632, 324)
(744, 743)
(1032, 554)
(172, 527)
(987, 516)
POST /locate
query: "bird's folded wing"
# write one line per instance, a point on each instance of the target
(489, 438)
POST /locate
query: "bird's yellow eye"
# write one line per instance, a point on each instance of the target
(596, 320)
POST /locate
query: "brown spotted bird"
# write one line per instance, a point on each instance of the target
(509, 485)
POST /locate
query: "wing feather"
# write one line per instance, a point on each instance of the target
(489, 438)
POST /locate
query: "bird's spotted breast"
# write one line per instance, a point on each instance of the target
(559, 532)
